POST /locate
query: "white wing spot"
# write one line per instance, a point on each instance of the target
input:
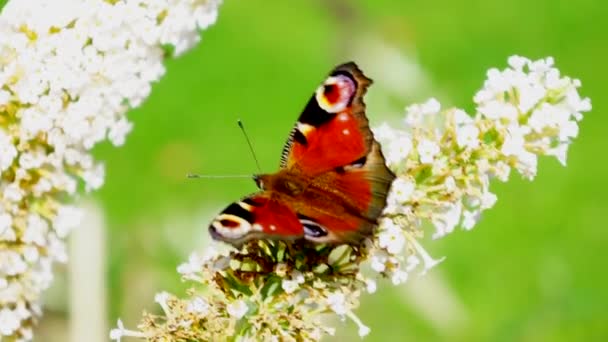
(346, 131)
(305, 128)
(273, 227)
(245, 206)
(343, 117)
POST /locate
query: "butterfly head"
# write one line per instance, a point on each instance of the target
(260, 181)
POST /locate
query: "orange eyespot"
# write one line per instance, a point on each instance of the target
(335, 94)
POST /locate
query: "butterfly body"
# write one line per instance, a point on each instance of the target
(332, 183)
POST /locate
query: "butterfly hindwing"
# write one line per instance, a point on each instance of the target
(353, 200)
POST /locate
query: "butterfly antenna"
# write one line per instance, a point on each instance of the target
(193, 175)
(257, 163)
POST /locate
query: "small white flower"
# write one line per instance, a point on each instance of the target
(398, 149)
(298, 277)
(13, 192)
(560, 152)
(68, 217)
(384, 132)
(401, 191)
(450, 184)
(30, 254)
(418, 114)
(527, 164)
(7, 151)
(289, 286)
(162, 299)
(517, 62)
(501, 171)
(117, 333)
(337, 302)
(412, 262)
(194, 265)
(470, 218)
(447, 219)
(31, 160)
(237, 309)
(378, 263)
(541, 66)
(498, 110)
(488, 200)
(119, 130)
(11, 263)
(6, 231)
(529, 92)
(94, 177)
(399, 277)
(36, 230)
(370, 285)
(576, 104)
(427, 150)
(363, 330)
(9, 322)
(391, 237)
(467, 136)
(4, 96)
(461, 117)
(198, 305)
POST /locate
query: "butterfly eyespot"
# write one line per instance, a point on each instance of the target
(335, 94)
(229, 227)
(359, 163)
(313, 230)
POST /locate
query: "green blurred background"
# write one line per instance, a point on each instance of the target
(534, 269)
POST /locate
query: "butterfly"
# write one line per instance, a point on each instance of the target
(332, 183)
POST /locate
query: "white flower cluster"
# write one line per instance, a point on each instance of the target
(69, 71)
(445, 160)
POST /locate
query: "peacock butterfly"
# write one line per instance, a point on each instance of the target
(332, 183)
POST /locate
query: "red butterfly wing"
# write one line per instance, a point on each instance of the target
(258, 215)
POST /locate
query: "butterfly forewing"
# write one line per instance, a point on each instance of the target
(333, 130)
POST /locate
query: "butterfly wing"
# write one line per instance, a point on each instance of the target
(333, 145)
(255, 216)
(333, 130)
